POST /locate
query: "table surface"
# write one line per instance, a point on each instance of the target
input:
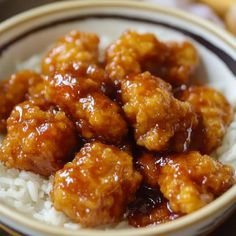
(12, 7)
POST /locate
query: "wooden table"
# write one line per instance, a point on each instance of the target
(11, 7)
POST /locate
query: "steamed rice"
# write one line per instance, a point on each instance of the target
(29, 193)
(226, 153)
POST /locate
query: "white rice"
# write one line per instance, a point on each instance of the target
(226, 153)
(29, 193)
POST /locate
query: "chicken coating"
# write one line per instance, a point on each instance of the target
(177, 63)
(77, 54)
(188, 180)
(95, 77)
(13, 91)
(160, 121)
(215, 114)
(148, 165)
(95, 115)
(38, 141)
(74, 47)
(92, 72)
(149, 207)
(37, 95)
(134, 53)
(95, 188)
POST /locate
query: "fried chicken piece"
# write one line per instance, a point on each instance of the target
(95, 115)
(95, 188)
(177, 63)
(74, 47)
(95, 73)
(149, 207)
(134, 53)
(160, 121)
(38, 141)
(215, 112)
(13, 91)
(123, 56)
(77, 54)
(188, 180)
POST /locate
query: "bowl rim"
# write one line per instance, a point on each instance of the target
(225, 200)
(46, 9)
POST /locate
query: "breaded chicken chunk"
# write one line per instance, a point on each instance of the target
(74, 47)
(77, 54)
(175, 63)
(188, 180)
(92, 73)
(13, 91)
(160, 121)
(37, 140)
(134, 53)
(215, 113)
(95, 115)
(95, 188)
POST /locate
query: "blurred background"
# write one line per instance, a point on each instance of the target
(221, 12)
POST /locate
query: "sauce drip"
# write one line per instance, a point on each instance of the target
(149, 207)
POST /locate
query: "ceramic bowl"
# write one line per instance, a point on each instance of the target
(33, 31)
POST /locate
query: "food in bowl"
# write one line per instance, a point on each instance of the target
(126, 138)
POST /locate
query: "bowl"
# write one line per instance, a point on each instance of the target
(32, 32)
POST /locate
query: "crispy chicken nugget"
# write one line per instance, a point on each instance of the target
(95, 188)
(189, 180)
(77, 54)
(92, 73)
(95, 115)
(160, 121)
(74, 47)
(37, 140)
(215, 112)
(134, 53)
(13, 91)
